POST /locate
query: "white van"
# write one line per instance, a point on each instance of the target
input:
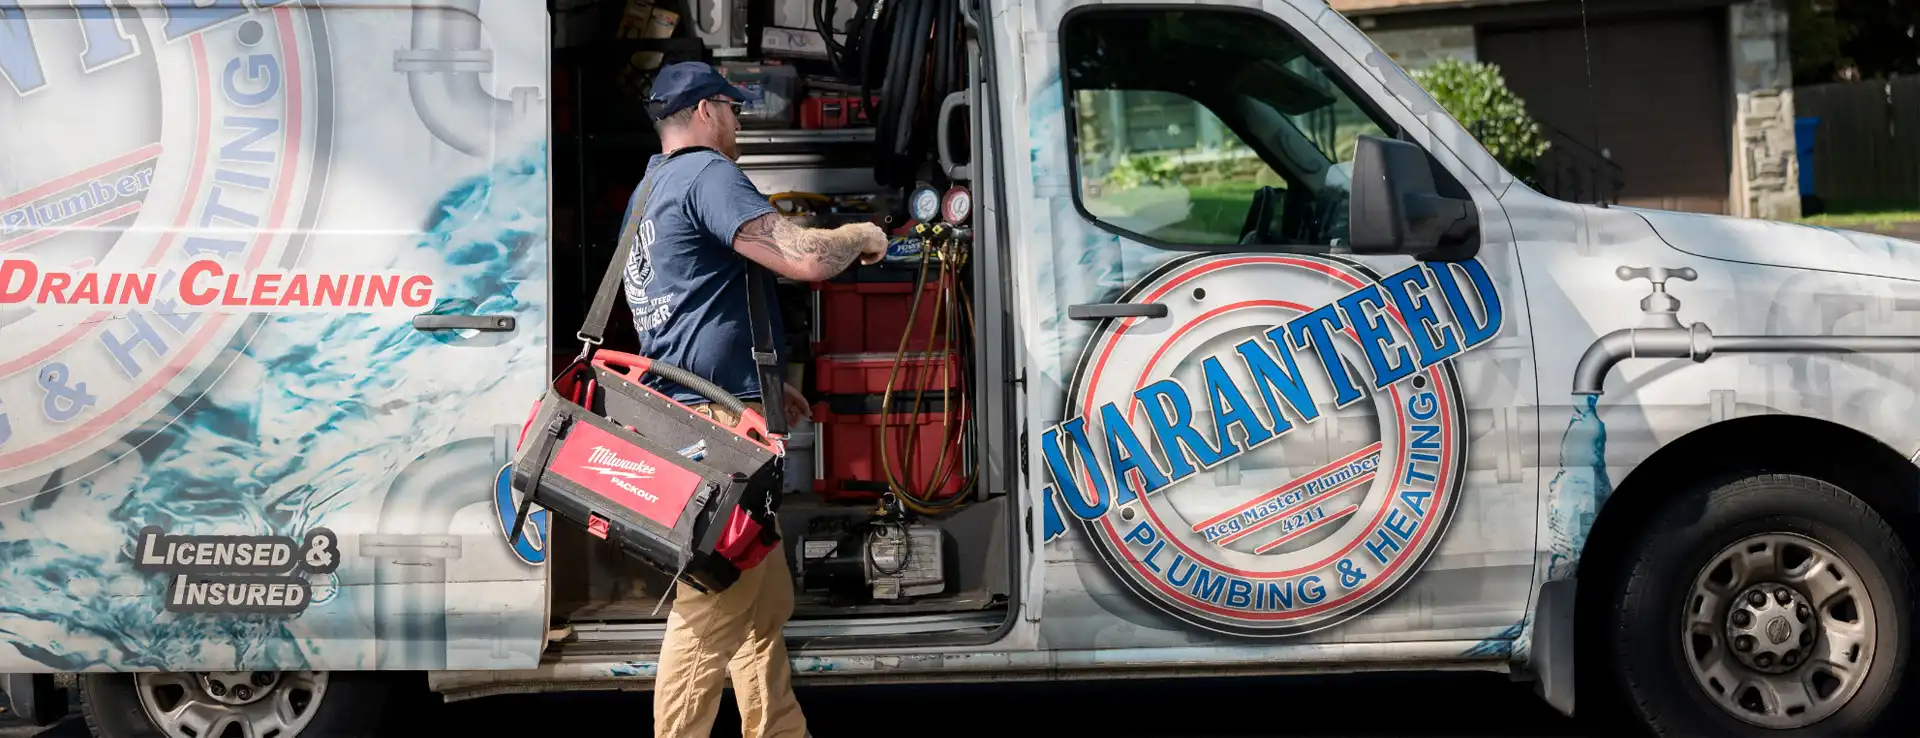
(280, 282)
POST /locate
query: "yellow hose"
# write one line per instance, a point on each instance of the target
(798, 198)
(923, 502)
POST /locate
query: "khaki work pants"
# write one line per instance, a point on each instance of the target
(736, 632)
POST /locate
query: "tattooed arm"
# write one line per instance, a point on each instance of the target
(808, 254)
(731, 210)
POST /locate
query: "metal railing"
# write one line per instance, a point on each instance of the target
(1571, 170)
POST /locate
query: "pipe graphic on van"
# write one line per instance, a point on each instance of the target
(443, 70)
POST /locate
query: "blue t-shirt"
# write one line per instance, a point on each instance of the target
(685, 283)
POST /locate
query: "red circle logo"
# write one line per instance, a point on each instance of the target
(170, 138)
(1281, 450)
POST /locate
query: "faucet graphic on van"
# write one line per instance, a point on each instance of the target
(1661, 335)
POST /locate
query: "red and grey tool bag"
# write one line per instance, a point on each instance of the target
(669, 485)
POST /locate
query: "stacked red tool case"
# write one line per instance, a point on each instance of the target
(862, 317)
(863, 450)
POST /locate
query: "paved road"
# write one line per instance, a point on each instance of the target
(1373, 705)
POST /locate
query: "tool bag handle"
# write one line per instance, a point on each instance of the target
(594, 330)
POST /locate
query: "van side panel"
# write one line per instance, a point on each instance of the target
(1607, 410)
(223, 442)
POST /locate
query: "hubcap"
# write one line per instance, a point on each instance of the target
(238, 688)
(1778, 631)
(246, 704)
(1770, 628)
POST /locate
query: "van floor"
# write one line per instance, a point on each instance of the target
(595, 583)
(804, 608)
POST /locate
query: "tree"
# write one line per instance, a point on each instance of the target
(1837, 40)
(1475, 94)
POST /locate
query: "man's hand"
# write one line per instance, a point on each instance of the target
(795, 403)
(873, 241)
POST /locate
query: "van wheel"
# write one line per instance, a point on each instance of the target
(235, 704)
(1774, 603)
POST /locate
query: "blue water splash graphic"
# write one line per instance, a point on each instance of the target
(1502, 644)
(1045, 112)
(1574, 495)
(633, 669)
(1579, 488)
(311, 418)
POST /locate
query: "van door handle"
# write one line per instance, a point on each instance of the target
(486, 323)
(1103, 310)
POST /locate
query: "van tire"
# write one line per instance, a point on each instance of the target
(1686, 617)
(353, 704)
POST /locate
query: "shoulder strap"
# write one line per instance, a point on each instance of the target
(772, 400)
(594, 330)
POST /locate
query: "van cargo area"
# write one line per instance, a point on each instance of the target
(892, 528)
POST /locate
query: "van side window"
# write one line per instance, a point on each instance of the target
(1202, 128)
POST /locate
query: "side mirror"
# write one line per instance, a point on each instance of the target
(1397, 208)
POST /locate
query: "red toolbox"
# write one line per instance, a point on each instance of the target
(861, 317)
(849, 433)
(828, 112)
(850, 449)
(867, 373)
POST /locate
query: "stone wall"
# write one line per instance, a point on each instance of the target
(1418, 47)
(1766, 167)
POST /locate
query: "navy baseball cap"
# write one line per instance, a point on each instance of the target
(682, 85)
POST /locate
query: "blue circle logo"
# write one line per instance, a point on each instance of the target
(532, 546)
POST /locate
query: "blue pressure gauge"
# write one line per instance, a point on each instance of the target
(925, 205)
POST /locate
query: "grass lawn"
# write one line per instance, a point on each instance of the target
(1214, 212)
(1886, 221)
(1868, 220)
(1220, 208)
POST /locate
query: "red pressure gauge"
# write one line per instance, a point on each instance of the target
(956, 206)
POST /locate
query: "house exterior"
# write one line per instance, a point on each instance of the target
(1691, 100)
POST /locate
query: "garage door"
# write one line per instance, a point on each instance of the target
(1661, 98)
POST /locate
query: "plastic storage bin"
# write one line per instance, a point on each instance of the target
(1806, 131)
(776, 87)
(850, 449)
(866, 374)
(868, 317)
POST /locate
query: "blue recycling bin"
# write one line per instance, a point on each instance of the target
(1803, 134)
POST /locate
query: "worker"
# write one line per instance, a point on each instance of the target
(686, 282)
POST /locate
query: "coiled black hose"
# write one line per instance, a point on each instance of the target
(894, 133)
(843, 56)
(908, 53)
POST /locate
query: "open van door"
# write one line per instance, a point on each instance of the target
(275, 310)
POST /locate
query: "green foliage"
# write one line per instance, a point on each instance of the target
(1477, 96)
(1235, 164)
(1841, 40)
(1143, 169)
(1159, 170)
